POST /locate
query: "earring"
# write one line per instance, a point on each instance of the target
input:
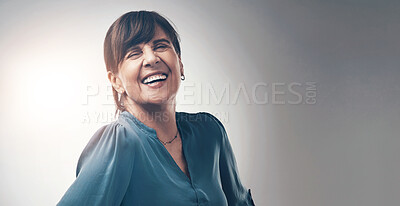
(183, 77)
(119, 91)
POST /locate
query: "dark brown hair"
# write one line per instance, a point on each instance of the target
(130, 29)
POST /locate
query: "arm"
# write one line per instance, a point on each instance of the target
(104, 169)
(236, 194)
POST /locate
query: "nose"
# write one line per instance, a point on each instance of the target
(150, 57)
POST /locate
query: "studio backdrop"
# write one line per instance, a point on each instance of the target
(308, 92)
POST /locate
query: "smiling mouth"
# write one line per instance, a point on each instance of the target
(155, 78)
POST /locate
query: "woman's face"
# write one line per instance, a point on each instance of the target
(150, 72)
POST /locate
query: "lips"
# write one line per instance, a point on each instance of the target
(154, 77)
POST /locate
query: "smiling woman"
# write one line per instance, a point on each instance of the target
(158, 81)
(153, 155)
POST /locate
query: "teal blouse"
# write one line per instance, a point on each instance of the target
(125, 164)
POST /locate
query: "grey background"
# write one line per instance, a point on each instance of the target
(343, 150)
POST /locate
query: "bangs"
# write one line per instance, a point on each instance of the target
(139, 29)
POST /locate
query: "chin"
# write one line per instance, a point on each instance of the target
(156, 101)
(159, 100)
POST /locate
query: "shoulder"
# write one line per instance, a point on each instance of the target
(203, 121)
(198, 118)
(114, 133)
(107, 141)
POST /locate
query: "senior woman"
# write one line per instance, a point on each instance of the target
(153, 155)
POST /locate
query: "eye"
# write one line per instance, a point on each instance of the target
(161, 47)
(134, 55)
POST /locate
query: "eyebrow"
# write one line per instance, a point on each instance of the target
(161, 40)
(133, 48)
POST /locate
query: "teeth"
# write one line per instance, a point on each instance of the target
(154, 77)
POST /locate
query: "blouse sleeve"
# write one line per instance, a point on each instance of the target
(104, 169)
(236, 194)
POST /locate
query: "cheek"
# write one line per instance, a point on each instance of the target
(171, 59)
(130, 75)
(175, 67)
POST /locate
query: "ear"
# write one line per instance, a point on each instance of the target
(116, 82)
(181, 66)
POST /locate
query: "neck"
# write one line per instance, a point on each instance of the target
(160, 117)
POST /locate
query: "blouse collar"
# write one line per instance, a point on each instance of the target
(140, 125)
(144, 128)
